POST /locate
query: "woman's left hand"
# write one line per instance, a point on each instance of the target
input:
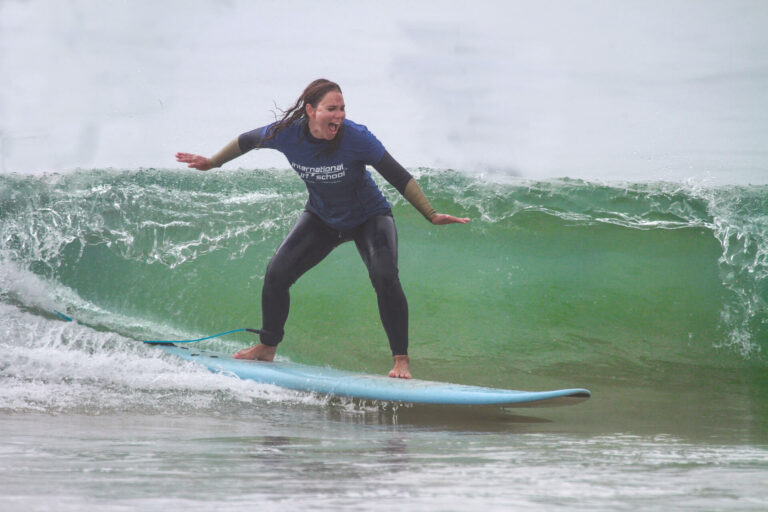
(441, 219)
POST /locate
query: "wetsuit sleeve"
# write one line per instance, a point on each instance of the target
(393, 172)
(239, 146)
(227, 153)
(403, 181)
(416, 197)
(251, 140)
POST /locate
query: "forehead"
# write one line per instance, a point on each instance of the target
(332, 98)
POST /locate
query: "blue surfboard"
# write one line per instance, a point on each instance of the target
(325, 380)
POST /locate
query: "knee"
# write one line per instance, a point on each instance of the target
(277, 278)
(385, 280)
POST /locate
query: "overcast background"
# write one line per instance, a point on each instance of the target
(606, 90)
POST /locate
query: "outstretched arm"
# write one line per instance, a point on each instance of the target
(404, 182)
(241, 145)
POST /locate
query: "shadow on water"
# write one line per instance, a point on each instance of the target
(447, 418)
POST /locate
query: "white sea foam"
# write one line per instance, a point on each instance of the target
(49, 365)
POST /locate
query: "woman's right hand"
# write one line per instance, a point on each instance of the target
(198, 162)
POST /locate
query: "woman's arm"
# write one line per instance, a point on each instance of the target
(239, 146)
(404, 182)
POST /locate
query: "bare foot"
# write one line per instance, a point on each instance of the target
(402, 369)
(261, 352)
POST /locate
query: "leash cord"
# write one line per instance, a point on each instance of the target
(158, 342)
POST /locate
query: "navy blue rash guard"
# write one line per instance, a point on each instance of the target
(341, 190)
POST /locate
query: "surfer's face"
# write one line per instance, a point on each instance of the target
(326, 117)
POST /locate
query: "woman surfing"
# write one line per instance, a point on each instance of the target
(330, 153)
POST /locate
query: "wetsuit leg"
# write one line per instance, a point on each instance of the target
(376, 242)
(305, 246)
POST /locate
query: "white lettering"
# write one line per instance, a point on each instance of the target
(320, 173)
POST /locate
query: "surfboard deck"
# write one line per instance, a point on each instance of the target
(330, 381)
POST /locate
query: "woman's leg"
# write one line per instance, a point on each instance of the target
(376, 242)
(305, 246)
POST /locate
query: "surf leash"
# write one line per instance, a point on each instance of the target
(168, 342)
(158, 342)
(63, 316)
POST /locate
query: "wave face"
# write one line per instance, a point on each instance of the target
(557, 279)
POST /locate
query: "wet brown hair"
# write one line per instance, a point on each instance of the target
(313, 94)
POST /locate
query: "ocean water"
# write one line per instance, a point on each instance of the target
(610, 155)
